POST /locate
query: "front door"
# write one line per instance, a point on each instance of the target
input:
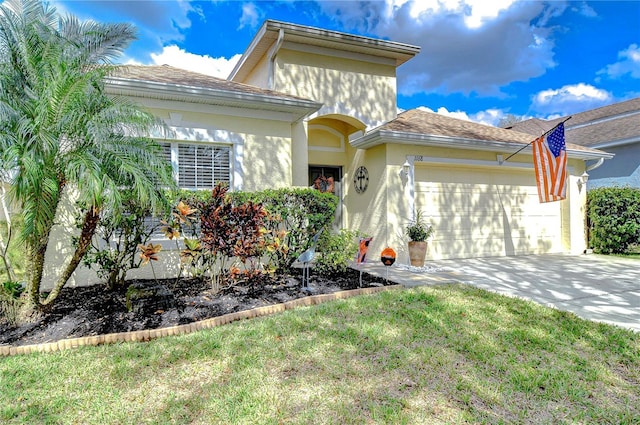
(328, 179)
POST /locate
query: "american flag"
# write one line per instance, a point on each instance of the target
(550, 163)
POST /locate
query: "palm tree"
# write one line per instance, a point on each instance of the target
(61, 134)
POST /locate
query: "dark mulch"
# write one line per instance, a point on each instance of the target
(93, 310)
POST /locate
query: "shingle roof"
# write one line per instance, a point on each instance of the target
(615, 109)
(429, 123)
(166, 74)
(618, 122)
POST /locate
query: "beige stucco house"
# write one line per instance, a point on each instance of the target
(304, 102)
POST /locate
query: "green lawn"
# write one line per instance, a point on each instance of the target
(448, 354)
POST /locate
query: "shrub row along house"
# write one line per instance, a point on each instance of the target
(310, 107)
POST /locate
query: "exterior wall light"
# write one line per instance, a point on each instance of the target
(406, 167)
(584, 177)
(582, 181)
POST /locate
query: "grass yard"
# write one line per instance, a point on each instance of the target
(448, 354)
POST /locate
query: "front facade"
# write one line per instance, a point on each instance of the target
(304, 102)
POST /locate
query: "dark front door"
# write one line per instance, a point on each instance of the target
(328, 179)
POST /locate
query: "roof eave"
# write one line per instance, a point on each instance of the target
(299, 107)
(379, 137)
(401, 52)
(616, 143)
(394, 48)
(249, 51)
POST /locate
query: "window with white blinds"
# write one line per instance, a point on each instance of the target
(199, 166)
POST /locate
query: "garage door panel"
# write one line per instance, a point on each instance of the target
(482, 212)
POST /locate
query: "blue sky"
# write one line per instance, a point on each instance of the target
(480, 59)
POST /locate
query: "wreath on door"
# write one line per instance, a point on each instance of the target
(324, 184)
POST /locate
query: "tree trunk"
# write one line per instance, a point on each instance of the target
(89, 225)
(36, 263)
(4, 247)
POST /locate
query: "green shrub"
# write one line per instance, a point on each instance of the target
(336, 251)
(613, 219)
(114, 248)
(189, 197)
(10, 301)
(299, 212)
(232, 229)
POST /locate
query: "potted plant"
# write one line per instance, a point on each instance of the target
(418, 232)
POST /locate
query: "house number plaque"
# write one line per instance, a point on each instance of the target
(361, 179)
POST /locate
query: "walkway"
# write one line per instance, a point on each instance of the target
(595, 287)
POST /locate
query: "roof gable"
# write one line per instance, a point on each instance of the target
(274, 33)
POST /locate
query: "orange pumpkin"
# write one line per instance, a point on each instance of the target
(388, 256)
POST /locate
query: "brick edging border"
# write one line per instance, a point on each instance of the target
(149, 334)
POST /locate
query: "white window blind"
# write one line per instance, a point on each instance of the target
(166, 151)
(200, 166)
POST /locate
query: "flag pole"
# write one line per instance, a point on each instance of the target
(544, 134)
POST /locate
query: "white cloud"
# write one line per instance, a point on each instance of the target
(475, 13)
(488, 117)
(585, 10)
(472, 46)
(179, 58)
(159, 22)
(482, 11)
(629, 63)
(570, 99)
(250, 16)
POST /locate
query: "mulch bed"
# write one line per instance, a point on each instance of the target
(92, 310)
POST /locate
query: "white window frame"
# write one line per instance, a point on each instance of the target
(175, 160)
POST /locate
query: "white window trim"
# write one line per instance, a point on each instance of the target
(175, 161)
(181, 131)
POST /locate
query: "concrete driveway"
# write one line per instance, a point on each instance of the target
(594, 287)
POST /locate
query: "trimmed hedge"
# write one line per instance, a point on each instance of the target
(613, 218)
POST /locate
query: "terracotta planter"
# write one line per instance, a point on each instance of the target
(417, 253)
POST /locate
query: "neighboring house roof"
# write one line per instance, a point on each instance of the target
(169, 83)
(612, 125)
(273, 34)
(421, 127)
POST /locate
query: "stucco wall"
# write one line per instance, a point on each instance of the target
(366, 91)
(259, 75)
(497, 200)
(369, 212)
(574, 236)
(262, 148)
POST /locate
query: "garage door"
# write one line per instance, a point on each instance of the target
(481, 212)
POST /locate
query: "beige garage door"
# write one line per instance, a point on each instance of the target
(481, 212)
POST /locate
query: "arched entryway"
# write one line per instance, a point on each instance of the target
(330, 155)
